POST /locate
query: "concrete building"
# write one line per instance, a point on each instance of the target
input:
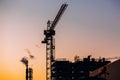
(114, 70)
(78, 70)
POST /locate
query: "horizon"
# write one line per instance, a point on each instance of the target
(86, 28)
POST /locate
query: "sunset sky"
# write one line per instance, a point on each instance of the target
(88, 27)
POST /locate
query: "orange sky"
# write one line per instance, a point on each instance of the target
(86, 27)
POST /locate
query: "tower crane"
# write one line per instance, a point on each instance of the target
(50, 41)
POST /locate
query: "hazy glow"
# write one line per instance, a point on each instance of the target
(87, 27)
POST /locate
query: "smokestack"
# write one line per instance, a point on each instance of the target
(30, 74)
(25, 61)
(27, 73)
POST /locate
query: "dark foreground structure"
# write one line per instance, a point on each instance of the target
(29, 74)
(66, 70)
(79, 70)
(114, 70)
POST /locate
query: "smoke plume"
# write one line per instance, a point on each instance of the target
(24, 61)
(30, 55)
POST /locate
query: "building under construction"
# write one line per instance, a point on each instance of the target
(79, 70)
(67, 70)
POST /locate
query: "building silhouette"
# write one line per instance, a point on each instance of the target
(78, 70)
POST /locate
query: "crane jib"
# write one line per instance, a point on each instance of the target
(58, 16)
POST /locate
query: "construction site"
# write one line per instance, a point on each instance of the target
(81, 68)
(87, 68)
(59, 39)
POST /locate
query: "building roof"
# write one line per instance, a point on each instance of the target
(114, 70)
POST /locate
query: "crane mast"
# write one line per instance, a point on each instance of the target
(50, 42)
